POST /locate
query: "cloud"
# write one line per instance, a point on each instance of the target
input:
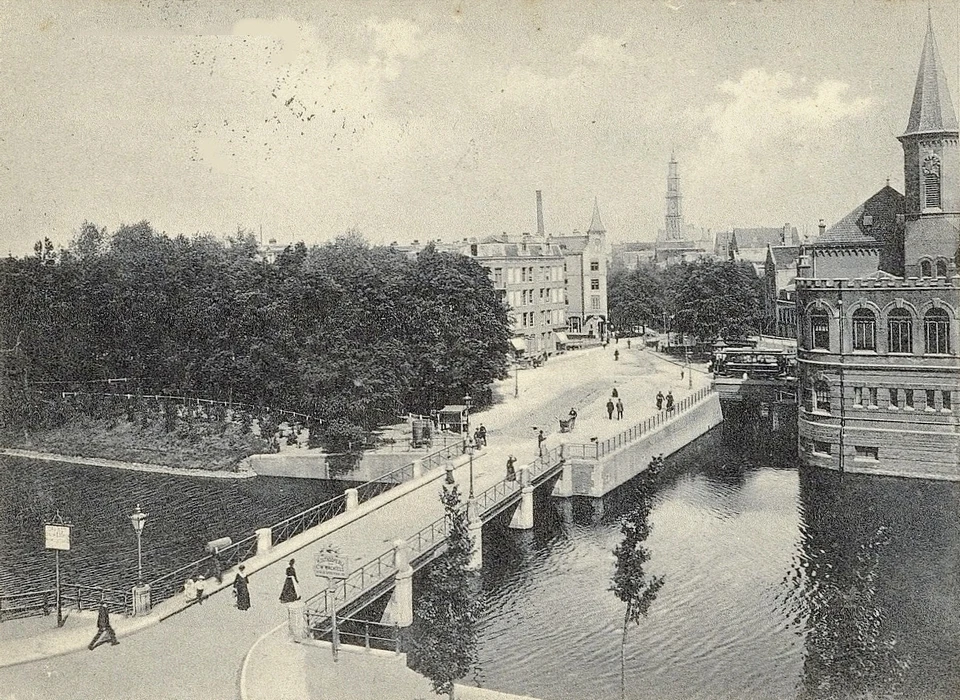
(765, 133)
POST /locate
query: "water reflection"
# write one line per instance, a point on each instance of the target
(779, 583)
(184, 514)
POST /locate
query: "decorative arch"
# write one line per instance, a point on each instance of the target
(937, 303)
(899, 303)
(926, 267)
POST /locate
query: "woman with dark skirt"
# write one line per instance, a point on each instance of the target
(241, 590)
(289, 592)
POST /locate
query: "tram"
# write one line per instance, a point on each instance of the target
(753, 363)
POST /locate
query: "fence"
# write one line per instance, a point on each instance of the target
(72, 597)
(386, 637)
(598, 449)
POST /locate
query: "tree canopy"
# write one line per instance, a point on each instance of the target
(346, 332)
(706, 298)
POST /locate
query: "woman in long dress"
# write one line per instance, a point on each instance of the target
(289, 592)
(241, 591)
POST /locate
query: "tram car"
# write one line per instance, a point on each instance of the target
(753, 363)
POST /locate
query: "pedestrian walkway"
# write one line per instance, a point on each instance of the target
(198, 651)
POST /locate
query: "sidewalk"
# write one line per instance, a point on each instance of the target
(198, 652)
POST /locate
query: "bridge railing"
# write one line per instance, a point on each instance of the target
(598, 449)
(72, 596)
(440, 457)
(356, 632)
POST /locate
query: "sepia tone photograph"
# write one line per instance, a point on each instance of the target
(479, 349)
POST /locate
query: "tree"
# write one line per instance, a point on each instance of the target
(449, 610)
(631, 583)
(636, 297)
(709, 299)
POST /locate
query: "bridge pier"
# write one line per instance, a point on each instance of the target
(475, 528)
(564, 486)
(264, 540)
(352, 499)
(417, 468)
(523, 515)
(399, 610)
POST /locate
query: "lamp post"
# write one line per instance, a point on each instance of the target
(138, 519)
(469, 445)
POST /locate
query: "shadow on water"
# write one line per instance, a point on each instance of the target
(780, 582)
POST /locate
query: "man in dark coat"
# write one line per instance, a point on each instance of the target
(104, 630)
(610, 408)
(659, 400)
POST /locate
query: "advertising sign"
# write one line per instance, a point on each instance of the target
(330, 564)
(57, 537)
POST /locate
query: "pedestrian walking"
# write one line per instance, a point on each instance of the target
(610, 408)
(216, 567)
(614, 393)
(200, 584)
(289, 592)
(477, 440)
(511, 472)
(619, 409)
(104, 629)
(190, 589)
(628, 343)
(659, 400)
(540, 440)
(616, 355)
(482, 432)
(241, 591)
(669, 400)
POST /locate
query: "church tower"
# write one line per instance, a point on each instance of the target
(931, 170)
(674, 220)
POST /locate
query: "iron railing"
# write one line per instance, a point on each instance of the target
(72, 596)
(356, 632)
(598, 449)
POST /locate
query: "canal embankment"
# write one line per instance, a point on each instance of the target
(241, 473)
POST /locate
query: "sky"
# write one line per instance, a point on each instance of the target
(439, 119)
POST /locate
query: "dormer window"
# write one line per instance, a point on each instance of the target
(931, 182)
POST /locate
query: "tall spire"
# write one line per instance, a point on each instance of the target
(932, 108)
(596, 226)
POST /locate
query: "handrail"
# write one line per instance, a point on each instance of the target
(600, 448)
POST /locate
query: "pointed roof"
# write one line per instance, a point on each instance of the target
(932, 108)
(596, 226)
(880, 224)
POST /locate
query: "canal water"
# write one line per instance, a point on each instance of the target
(183, 514)
(779, 582)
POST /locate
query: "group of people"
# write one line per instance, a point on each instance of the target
(614, 405)
(480, 436)
(668, 400)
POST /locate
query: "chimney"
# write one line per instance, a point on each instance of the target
(539, 214)
(822, 226)
(783, 234)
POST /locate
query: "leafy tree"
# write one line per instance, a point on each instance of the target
(631, 582)
(709, 299)
(636, 297)
(446, 647)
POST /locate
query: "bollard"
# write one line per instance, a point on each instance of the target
(450, 479)
(353, 499)
(141, 599)
(264, 540)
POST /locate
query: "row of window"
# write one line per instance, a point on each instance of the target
(549, 317)
(818, 397)
(936, 331)
(927, 266)
(867, 452)
(515, 275)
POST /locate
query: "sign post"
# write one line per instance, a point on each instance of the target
(332, 566)
(57, 537)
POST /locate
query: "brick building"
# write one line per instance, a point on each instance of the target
(877, 301)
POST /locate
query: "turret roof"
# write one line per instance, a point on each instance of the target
(596, 226)
(932, 109)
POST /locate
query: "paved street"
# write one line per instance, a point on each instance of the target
(198, 653)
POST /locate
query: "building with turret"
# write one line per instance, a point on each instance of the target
(585, 272)
(877, 301)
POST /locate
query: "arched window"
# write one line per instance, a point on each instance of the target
(820, 329)
(931, 181)
(864, 330)
(941, 268)
(900, 331)
(936, 332)
(925, 269)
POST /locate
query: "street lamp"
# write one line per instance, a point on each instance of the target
(138, 519)
(469, 445)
